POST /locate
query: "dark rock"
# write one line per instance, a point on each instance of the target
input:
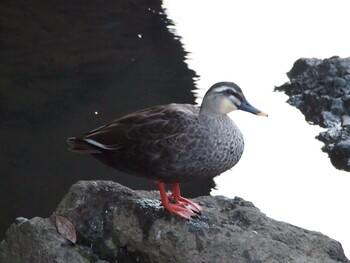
(116, 224)
(340, 154)
(36, 240)
(345, 120)
(320, 89)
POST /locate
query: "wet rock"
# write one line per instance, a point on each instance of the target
(321, 90)
(116, 224)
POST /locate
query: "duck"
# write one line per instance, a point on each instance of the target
(173, 143)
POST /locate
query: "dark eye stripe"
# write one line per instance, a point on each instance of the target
(230, 92)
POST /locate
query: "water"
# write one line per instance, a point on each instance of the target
(254, 43)
(89, 67)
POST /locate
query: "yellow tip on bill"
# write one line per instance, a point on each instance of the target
(262, 114)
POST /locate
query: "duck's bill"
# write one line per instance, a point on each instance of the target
(262, 114)
(246, 106)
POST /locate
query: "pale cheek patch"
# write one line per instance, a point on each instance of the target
(227, 106)
(235, 100)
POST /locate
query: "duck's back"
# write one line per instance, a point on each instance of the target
(170, 143)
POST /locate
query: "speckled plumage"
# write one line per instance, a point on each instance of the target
(173, 143)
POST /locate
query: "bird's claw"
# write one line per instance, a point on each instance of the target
(180, 210)
(188, 204)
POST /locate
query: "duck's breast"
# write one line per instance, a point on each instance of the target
(205, 150)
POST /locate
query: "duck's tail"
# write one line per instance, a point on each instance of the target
(79, 145)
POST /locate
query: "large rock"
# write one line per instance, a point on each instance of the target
(116, 224)
(321, 90)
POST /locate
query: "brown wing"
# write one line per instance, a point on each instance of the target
(144, 126)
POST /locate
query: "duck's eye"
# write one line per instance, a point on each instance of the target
(229, 92)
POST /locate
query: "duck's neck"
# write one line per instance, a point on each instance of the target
(218, 107)
(207, 114)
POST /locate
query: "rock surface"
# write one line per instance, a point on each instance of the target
(321, 90)
(116, 224)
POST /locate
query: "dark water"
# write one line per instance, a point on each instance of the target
(66, 68)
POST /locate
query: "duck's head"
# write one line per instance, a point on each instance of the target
(224, 97)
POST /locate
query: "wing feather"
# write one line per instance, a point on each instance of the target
(144, 126)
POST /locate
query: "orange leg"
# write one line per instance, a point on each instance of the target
(178, 208)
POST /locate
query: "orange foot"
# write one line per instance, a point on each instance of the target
(181, 207)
